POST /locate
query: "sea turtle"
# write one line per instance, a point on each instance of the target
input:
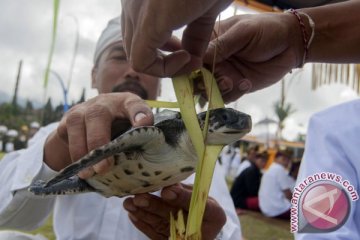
(147, 158)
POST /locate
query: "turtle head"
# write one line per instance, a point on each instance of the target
(226, 125)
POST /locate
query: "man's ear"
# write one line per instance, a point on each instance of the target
(93, 77)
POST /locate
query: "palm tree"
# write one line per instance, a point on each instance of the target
(282, 110)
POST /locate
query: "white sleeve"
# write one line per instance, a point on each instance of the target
(285, 181)
(220, 192)
(333, 146)
(19, 209)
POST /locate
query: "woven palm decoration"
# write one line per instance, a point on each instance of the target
(325, 74)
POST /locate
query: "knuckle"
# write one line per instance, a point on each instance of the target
(162, 226)
(74, 118)
(98, 139)
(95, 111)
(132, 101)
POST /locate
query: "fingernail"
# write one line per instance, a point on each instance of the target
(139, 116)
(169, 195)
(244, 86)
(86, 173)
(141, 202)
(132, 217)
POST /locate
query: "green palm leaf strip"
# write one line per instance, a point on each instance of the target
(206, 153)
(53, 40)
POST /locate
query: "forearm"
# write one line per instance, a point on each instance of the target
(19, 209)
(337, 33)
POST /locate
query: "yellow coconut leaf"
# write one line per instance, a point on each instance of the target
(205, 167)
(162, 104)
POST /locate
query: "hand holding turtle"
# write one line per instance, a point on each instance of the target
(150, 214)
(147, 26)
(89, 125)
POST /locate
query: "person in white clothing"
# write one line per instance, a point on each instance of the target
(85, 127)
(275, 188)
(332, 145)
(230, 160)
(250, 158)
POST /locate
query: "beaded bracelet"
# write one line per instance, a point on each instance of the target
(307, 40)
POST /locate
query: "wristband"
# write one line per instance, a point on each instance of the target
(307, 39)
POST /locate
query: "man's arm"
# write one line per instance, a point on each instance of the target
(255, 51)
(19, 209)
(337, 33)
(86, 126)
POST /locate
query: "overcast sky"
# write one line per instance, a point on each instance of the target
(25, 32)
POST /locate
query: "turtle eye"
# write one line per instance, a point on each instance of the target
(224, 117)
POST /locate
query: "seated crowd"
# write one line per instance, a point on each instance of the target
(267, 190)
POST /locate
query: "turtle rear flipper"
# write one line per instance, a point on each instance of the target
(72, 185)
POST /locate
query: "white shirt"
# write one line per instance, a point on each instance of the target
(244, 165)
(272, 200)
(333, 145)
(9, 147)
(84, 216)
(230, 161)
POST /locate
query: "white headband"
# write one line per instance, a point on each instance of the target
(111, 34)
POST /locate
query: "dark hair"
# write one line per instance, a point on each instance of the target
(264, 155)
(253, 148)
(282, 154)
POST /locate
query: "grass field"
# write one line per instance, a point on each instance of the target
(254, 227)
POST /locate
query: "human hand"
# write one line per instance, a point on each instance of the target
(151, 214)
(254, 51)
(91, 124)
(147, 27)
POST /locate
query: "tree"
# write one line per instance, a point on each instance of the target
(48, 114)
(82, 98)
(282, 110)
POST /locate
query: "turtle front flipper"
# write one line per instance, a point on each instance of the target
(68, 186)
(132, 140)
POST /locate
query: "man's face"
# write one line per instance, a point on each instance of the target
(260, 162)
(114, 74)
(283, 160)
(252, 154)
